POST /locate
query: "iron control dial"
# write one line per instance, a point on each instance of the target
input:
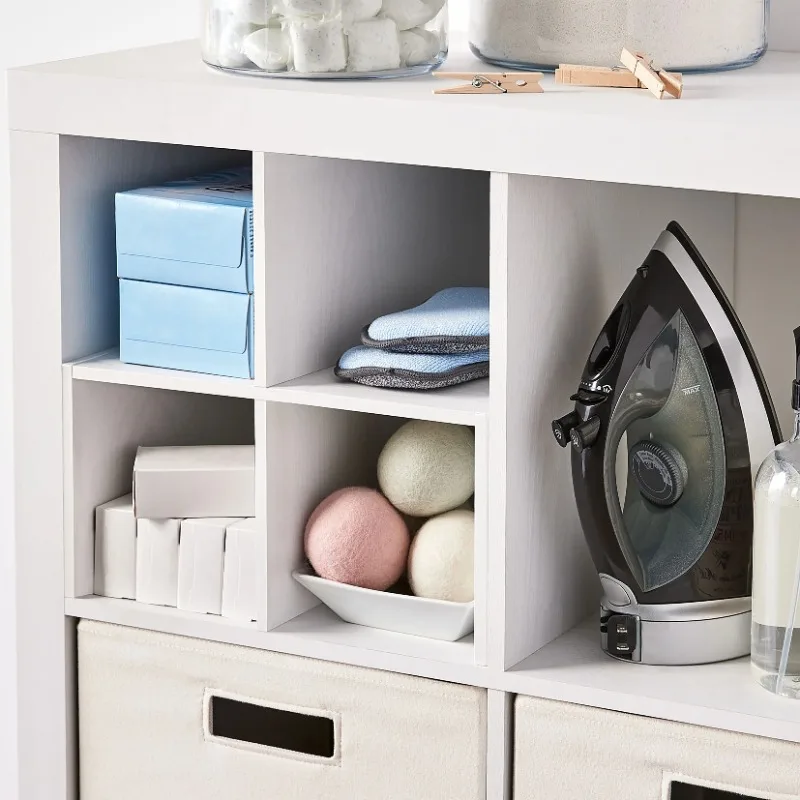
(660, 471)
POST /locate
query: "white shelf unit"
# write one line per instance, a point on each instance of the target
(369, 197)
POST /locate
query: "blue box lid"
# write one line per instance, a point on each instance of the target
(195, 232)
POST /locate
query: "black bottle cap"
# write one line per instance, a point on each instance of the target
(796, 381)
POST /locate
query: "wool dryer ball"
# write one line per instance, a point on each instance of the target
(441, 563)
(428, 468)
(355, 536)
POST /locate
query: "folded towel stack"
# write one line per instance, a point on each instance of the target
(440, 343)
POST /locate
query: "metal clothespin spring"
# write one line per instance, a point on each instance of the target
(480, 80)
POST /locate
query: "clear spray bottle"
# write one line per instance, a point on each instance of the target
(775, 647)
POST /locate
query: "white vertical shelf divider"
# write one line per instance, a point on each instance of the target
(260, 430)
(260, 287)
(499, 745)
(76, 581)
(497, 451)
(482, 541)
(45, 640)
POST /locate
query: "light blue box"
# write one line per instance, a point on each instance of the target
(195, 232)
(183, 327)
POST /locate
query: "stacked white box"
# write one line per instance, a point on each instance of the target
(243, 568)
(194, 482)
(115, 549)
(200, 561)
(157, 561)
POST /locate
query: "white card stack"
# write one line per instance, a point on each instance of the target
(200, 564)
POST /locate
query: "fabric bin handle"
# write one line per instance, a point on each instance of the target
(287, 731)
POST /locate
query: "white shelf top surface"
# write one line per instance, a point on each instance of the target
(571, 669)
(732, 132)
(465, 404)
(574, 669)
(106, 367)
(317, 633)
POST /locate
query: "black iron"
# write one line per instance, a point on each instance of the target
(635, 371)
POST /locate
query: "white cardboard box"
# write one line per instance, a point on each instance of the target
(205, 481)
(115, 549)
(200, 558)
(244, 570)
(157, 561)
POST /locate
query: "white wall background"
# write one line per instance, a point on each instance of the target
(50, 30)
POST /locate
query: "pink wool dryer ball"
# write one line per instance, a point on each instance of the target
(356, 536)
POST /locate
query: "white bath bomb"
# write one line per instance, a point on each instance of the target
(373, 45)
(305, 8)
(412, 13)
(359, 10)
(441, 562)
(255, 12)
(428, 468)
(418, 46)
(269, 49)
(225, 41)
(318, 45)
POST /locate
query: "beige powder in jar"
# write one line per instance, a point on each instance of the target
(677, 33)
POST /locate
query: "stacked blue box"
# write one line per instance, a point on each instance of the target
(185, 268)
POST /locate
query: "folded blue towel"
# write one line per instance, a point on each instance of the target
(411, 370)
(452, 321)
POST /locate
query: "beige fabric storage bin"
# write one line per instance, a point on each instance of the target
(570, 752)
(161, 718)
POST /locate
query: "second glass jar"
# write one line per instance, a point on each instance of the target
(325, 38)
(685, 35)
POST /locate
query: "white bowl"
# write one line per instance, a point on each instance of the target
(434, 619)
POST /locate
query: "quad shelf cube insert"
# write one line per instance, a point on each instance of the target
(354, 220)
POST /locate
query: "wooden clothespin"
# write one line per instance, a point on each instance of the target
(578, 75)
(493, 82)
(656, 80)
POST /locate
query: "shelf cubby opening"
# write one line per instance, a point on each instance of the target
(349, 241)
(311, 452)
(104, 424)
(583, 241)
(91, 172)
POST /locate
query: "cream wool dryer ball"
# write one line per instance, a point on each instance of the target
(441, 563)
(355, 536)
(427, 468)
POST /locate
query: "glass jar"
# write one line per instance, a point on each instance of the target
(325, 38)
(680, 35)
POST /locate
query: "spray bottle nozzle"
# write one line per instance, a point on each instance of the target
(796, 381)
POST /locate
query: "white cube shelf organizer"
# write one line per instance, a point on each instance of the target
(368, 198)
